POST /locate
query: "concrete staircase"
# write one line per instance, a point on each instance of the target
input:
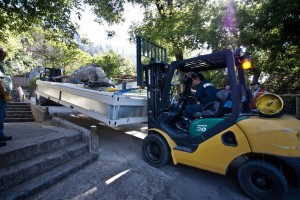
(39, 158)
(18, 112)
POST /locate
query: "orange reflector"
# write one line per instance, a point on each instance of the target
(246, 64)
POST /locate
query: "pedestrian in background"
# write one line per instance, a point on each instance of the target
(4, 97)
(228, 102)
(257, 91)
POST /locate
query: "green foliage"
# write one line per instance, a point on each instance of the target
(22, 16)
(223, 32)
(270, 24)
(18, 62)
(32, 84)
(284, 72)
(267, 28)
(107, 10)
(31, 50)
(180, 26)
(34, 49)
(113, 64)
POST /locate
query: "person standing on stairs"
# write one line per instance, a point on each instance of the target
(4, 96)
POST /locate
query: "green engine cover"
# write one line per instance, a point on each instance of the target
(199, 126)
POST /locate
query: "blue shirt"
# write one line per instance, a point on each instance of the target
(206, 92)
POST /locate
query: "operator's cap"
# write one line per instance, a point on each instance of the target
(254, 83)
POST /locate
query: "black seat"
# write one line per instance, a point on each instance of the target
(214, 108)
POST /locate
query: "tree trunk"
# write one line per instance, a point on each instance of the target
(179, 56)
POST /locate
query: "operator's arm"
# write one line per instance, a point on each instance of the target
(199, 92)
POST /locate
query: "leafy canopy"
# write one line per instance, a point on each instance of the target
(18, 16)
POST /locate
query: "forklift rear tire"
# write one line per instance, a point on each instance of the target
(262, 180)
(156, 151)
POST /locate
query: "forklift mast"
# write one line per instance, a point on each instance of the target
(152, 75)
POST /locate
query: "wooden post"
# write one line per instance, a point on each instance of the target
(94, 139)
(298, 106)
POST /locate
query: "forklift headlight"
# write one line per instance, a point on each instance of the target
(246, 62)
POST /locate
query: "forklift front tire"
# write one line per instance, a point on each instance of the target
(262, 180)
(156, 151)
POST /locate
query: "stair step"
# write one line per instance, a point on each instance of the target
(19, 109)
(19, 112)
(13, 115)
(17, 173)
(10, 120)
(20, 150)
(19, 115)
(45, 180)
(18, 104)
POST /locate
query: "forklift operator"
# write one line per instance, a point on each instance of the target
(205, 93)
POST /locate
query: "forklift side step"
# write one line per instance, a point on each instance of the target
(182, 148)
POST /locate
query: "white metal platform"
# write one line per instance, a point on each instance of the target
(108, 107)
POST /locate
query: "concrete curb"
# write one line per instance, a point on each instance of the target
(39, 114)
(89, 137)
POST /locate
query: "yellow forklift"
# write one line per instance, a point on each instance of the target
(264, 148)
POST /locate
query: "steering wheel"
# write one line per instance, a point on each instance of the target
(187, 98)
